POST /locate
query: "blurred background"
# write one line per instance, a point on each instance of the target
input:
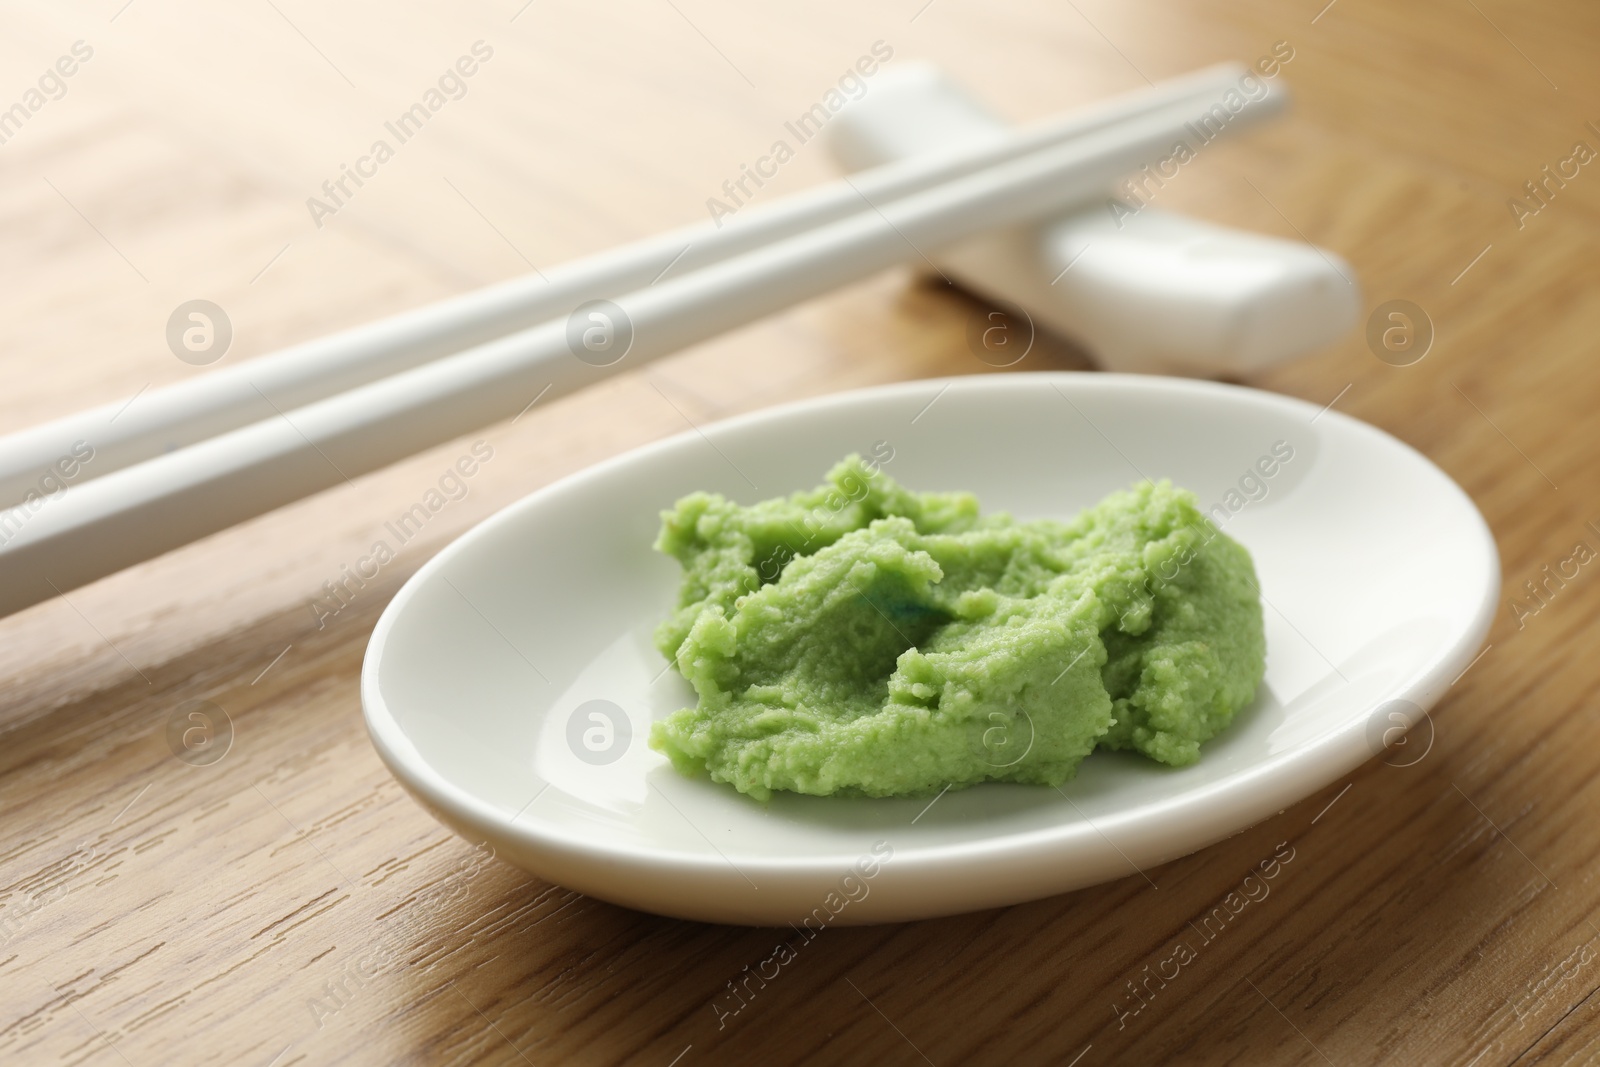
(176, 162)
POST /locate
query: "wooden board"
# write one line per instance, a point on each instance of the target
(288, 904)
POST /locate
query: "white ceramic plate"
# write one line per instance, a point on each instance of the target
(485, 676)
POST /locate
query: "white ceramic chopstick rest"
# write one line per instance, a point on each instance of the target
(1142, 289)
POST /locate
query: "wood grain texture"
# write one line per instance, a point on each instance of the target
(290, 905)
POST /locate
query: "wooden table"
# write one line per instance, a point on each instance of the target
(155, 912)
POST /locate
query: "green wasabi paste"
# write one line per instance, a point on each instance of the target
(861, 639)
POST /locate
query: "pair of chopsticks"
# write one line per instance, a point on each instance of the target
(188, 460)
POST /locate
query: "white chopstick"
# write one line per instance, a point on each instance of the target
(227, 398)
(149, 508)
